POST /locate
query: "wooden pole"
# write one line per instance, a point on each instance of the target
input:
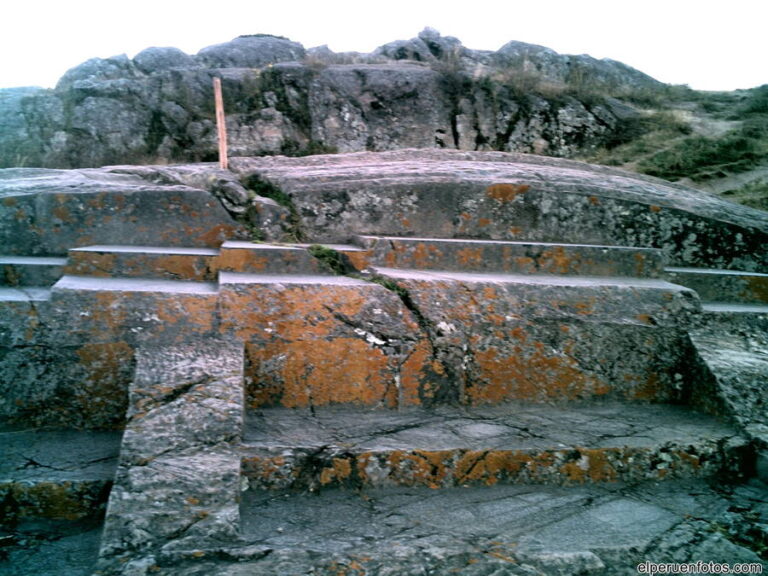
(221, 124)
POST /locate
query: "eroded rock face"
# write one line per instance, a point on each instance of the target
(428, 92)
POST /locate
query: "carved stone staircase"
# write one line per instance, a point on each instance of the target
(433, 364)
(393, 404)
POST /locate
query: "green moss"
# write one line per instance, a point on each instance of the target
(267, 189)
(330, 258)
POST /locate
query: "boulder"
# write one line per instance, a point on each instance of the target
(251, 52)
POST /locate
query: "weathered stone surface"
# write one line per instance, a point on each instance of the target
(45, 212)
(267, 259)
(509, 530)
(511, 443)
(302, 327)
(177, 484)
(55, 474)
(500, 256)
(51, 548)
(406, 375)
(723, 285)
(251, 52)
(30, 270)
(155, 59)
(448, 194)
(66, 385)
(547, 338)
(192, 264)
(736, 366)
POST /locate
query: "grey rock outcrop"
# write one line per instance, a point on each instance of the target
(427, 92)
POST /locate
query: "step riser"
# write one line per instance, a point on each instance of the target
(190, 267)
(260, 259)
(250, 258)
(518, 258)
(449, 468)
(638, 367)
(29, 274)
(88, 388)
(711, 287)
(324, 344)
(66, 500)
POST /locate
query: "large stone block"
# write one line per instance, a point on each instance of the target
(545, 338)
(47, 212)
(321, 340)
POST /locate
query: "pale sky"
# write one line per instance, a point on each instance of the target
(709, 45)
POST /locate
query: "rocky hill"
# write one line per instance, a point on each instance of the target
(280, 98)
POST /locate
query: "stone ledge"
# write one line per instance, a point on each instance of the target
(512, 443)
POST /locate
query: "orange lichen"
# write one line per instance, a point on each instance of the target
(91, 264)
(651, 389)
(212, 236)
(265, 470)
(470, 258)
(556, 261)
(61, 211)
(529, 372)
(309, 373)
(506, 192)
(421, 467)
(359, 260)
(197, 313)
(241, 260)
(340, 470)
(412, 372)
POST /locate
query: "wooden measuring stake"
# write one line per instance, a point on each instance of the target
(221, 124)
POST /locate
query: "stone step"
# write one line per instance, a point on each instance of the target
(545, 338)
(474, 531)
(134, 310)
(729, 317)
(24, 294)
(507, 444)
(424, 338)
(38, 271)
(55, 474)
(110, 284)
(715, 285)
(169, 263)
(734, 372)
(506, 256)
(252, 258)
(322, 339)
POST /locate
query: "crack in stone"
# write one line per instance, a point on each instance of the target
(32, 463)
(172, 395)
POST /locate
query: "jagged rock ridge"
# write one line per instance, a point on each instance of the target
(427, 92)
